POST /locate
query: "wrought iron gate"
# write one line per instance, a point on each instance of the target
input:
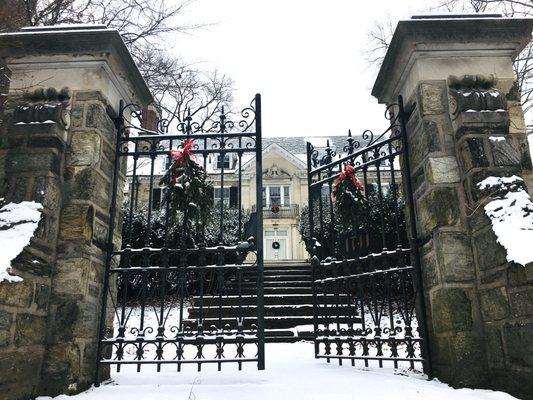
(161, 272)
(366, 280)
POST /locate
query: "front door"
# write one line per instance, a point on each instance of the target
(276, 244)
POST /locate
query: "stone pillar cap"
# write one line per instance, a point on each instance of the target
(450, 36)
(81, 42)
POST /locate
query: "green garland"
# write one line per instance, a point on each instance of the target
(349, 199)
(189, 190)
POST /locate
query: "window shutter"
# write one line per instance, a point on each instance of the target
(233, 196)
(156, 198)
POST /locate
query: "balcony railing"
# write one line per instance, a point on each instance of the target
(291, 211)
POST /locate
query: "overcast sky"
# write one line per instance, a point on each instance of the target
(304, 57)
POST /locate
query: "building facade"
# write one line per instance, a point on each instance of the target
(285, 191)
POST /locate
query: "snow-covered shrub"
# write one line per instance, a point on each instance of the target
(369, 226)
(163, 234)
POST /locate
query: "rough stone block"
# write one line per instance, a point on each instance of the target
(424, 142)
(439, 207)
(42, 296)
(522, 303)
(30, 329)
(429, 271)
(6, 319)
(473, 154)
(46, 190)
(516, 275)
(518, 339)
(13, 370)
(525, 155)
(494, 304)
(451, 311)
(17, 294)
(97, 117)
(18, 189)
(478, 220)
(504, 152)
(470, 360)
(89, 185)
(29, 262)
(478, 121)
(442, 170)
(72, 276)
(76, 115)
(76, 222)
(455, 256)
(61, 369)
(495, 354)
(432, 97)
(474, 178)
(516, 116)
(85, 148)
(489, 252)
(64, 312)
(87, 324)
(32, 162)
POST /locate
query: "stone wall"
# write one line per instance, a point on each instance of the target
(480, 307)
(49, 322)
(33, 157)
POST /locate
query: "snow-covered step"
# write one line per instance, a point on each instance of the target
(270, 322)
(269, 310)
(288, 299)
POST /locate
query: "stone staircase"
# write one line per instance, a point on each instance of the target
(288, 303)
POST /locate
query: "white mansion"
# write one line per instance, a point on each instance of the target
(284, 188)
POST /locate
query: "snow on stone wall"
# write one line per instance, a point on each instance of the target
(18, 222)
(511, 214)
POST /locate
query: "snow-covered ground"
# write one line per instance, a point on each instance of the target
(292, 373)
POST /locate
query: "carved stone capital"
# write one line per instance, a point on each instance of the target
(43, 105)
(471, 93)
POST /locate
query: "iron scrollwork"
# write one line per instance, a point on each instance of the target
(166, 293)
(363, 293)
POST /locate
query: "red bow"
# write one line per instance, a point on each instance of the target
(179, 157)
(348, 173)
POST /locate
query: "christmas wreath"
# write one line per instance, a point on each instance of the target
(349, 199)
(189, 190)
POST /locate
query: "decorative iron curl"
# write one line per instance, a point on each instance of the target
(248, 115)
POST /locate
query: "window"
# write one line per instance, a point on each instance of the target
(158, 198)
(276, 195)
(218, 196)
(230, 196)
(225, 163)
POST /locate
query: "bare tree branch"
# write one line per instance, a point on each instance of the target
(145, 26)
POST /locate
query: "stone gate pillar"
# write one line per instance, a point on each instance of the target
(467, 125)
(58, 149)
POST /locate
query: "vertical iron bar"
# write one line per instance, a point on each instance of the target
(310, 211)
(394, 196)
(259, 239)
(414, 236)
(119, 121)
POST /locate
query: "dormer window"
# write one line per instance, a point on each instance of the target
(223, 162)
